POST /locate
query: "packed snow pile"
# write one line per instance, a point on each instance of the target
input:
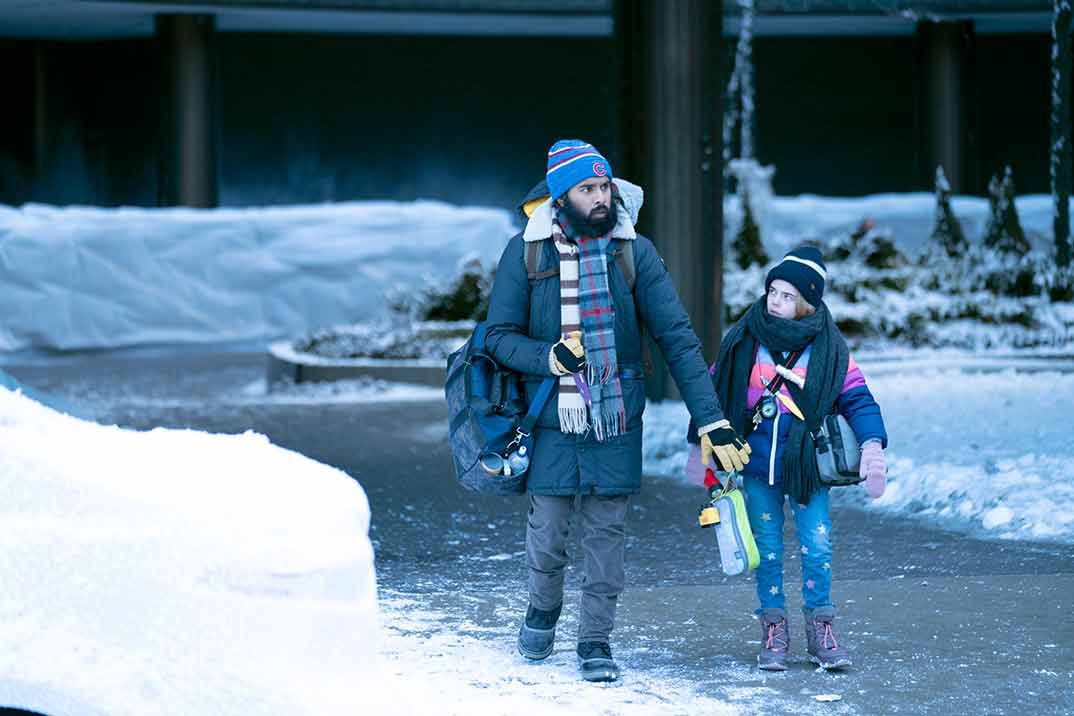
(178, 572)
(90, 278)
(84, 278)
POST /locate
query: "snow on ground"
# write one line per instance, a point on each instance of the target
(178, 572)
(89, 278)
(474, 670)
(989, 453)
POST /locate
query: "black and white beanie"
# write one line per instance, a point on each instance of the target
(804, 269)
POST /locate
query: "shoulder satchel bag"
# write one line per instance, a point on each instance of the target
(838, 453)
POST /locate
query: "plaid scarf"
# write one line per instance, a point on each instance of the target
(586, 305)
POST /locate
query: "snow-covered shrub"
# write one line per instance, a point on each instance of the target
(465, 297)
(978, 298)
(395, 340)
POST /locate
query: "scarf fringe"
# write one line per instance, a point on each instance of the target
(599, 374)
(573, 419)
(610, 426)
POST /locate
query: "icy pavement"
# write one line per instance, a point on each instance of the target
(470, 667)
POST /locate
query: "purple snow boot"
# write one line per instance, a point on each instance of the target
(775, 640)
(821, 643)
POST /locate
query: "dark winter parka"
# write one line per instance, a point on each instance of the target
(524, 324)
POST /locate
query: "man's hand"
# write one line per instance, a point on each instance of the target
(874, 468)
(732, 451)
(568, 356)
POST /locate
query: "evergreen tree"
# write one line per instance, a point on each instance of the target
(1004, 232)
(747, 242)
(946, 230)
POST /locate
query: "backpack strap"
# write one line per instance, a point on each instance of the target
(623, 254)
(533, 261)
(624, 257)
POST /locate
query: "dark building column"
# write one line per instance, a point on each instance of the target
(946, 56)
(40, 161)
(188, 117)
(671, 115)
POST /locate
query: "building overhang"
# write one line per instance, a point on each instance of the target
(98, 19)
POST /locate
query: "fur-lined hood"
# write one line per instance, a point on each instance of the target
(536, 207)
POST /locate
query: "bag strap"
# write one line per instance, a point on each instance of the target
(526, 426)
(624, 257)
(533, 260)
(777, 382)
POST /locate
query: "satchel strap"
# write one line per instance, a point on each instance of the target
(537, 405)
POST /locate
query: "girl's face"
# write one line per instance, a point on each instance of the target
(782, 299)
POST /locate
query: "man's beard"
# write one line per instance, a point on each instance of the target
(587, 225)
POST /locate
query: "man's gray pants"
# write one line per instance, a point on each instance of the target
(603, 524)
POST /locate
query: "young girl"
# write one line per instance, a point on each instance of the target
(787, 341)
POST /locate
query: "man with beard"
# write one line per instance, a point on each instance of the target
(567, 303)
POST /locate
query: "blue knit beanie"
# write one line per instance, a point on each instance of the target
(571, 161)
(804, 269)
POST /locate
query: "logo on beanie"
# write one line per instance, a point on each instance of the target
(599, 169)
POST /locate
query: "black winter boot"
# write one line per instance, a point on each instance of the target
(538, 632)
(595, 661)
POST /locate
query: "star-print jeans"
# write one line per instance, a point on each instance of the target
(765, 507)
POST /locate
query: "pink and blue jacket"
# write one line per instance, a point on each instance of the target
(855, 403)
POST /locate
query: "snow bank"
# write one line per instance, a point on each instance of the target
(790, 220)
(89, 278)
(178, 572)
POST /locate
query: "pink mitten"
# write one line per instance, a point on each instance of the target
(695, 471)
(873, 468)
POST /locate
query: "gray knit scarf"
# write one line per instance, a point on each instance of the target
(827, 370)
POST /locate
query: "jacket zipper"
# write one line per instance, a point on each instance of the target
(772, 455)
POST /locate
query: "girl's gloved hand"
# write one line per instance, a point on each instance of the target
(874, 468)
(695, 471)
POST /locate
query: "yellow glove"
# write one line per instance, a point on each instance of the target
(732, 451)
(568, 355)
